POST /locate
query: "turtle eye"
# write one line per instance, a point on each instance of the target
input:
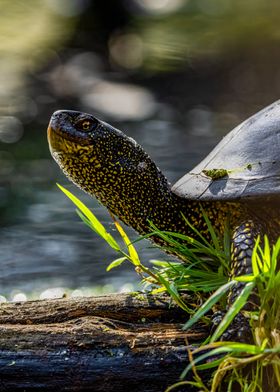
(85, 125)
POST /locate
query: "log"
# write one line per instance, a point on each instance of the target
(120, 342)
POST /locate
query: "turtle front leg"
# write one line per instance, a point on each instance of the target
(243, 241)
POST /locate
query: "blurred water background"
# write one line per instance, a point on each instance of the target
(176, 75)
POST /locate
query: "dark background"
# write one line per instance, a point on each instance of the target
(174, 74)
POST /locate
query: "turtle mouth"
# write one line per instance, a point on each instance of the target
(57, 142)
(61, 134)
(57, 133)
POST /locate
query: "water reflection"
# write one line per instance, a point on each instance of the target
(126, 50)
(120, 100)
(159, 6)
(11, 129)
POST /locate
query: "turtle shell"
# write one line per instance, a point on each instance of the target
(246, 163)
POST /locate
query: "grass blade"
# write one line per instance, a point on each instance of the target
(233, 310)
(91, 219)
(209, 303)
(116, 263)
(171, 289)
(131, 249)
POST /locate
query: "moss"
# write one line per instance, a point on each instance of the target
(215, 174)
(139, 296)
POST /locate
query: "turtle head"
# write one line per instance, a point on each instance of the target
(104, 162)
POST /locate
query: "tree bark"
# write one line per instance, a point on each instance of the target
(120, 342)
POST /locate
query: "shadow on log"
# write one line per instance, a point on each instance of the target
(119, 342)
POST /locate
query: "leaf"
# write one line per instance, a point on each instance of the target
(116, 263)
(90, 219)
(131, 250)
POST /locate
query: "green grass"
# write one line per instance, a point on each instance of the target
(203, 272)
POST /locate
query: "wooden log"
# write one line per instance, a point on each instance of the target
(121, 342)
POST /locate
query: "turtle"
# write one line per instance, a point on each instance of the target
(238, 182)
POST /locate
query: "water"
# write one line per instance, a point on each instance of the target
(167, 74)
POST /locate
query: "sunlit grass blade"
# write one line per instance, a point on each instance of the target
(206, 307)
(267, 255)
(91, 219)
(245, 278)
(233, 310)
(255, 257)
(131, 249)
(275, 253)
